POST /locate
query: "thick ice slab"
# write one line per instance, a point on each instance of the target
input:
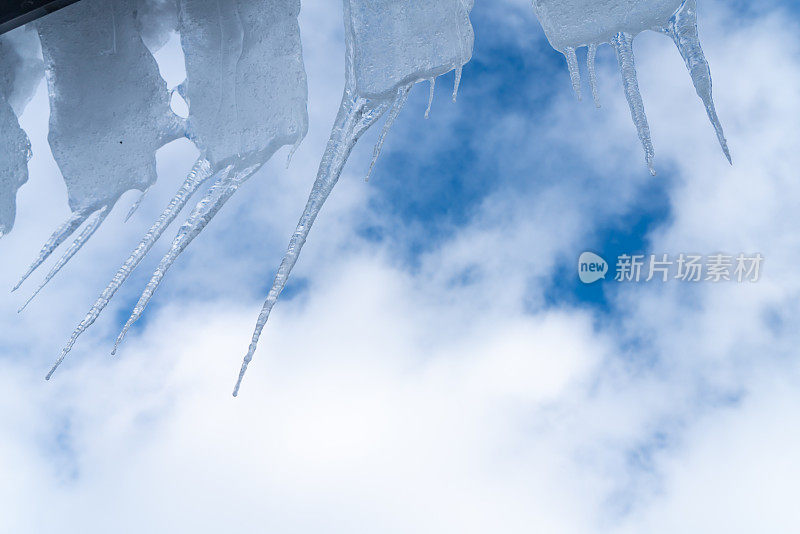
(576, 23)
(400, 43)
(20, 72)
(21, 67)
(15, 150)
(245, 78)
(156, 20)
(109, 106)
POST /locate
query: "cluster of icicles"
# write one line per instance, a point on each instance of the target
(246, 92)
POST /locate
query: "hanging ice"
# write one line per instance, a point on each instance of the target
(570, 24)
(247, 93)
(21, 67)
(20, 72)
(15, 150)
(109, 111)
(391, 45)
(156, 19)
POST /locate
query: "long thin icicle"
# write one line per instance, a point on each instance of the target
(397, 107)
(355, 116)
(76, 219)
(591, 56)
(222, 190)
(198, 175)
(93, 224)
(574, 71)
(623, 43)
(683, 30)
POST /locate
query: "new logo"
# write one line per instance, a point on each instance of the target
(591, 268)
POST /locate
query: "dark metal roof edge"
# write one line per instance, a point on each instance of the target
(28, 11)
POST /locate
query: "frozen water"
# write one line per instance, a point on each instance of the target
(247, 93)
(156, 19)
(246, 82)
(623, 44)
(246, 89)
(20, 72)
(107, 100)
(576, 23)
(401, 43)
(15, 148)
(390, 46)
(109, 109)
(683, 30)
(570, 24)
(21, 66)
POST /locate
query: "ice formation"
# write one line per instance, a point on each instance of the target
(390, 46)
(571, 24)
(246, 89)
(109, 112)
(20, 72)
(156, 19)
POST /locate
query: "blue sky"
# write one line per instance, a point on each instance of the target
(435, 365)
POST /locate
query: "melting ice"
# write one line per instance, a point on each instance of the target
(246, 90)
(20, 72)
(390, 46)
(247, 93)
(109, 113)
(571, 24)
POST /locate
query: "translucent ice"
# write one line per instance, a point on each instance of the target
(15, 150)
(20, 72)
(390, 46)
(156, 19)
(570, 24)
(247, 93)
(21, 67)
(109, 108)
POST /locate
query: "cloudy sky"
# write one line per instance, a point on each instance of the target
(435, 365)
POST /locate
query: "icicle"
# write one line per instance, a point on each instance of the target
(457, 83)
(94, 222)
(136, 205)
(198, 175)
(19, 74)
(432, 83)
(222, 190)
(683, 30)
(75, 220)
(623, 43)
(591, 55)
(367, 97)
(397, 107)
(109, 106)
(574, 71)
(355, 116)
(290, 155)
(247, 97)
